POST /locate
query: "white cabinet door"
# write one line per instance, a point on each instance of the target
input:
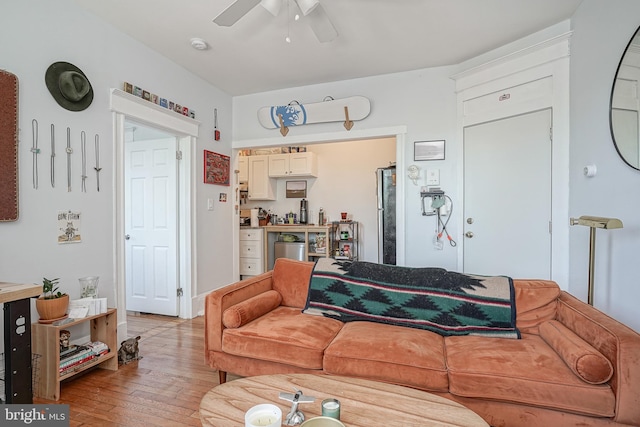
(261, 187)
(279, 165)
(294, 164)
(243, 167)
(303, 164)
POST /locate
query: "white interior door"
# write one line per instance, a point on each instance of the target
(151, 256)
(507, 197)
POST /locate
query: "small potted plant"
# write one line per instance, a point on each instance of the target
(52, 304)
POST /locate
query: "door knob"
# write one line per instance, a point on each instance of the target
(469, 234)
(469, 220)
(127, 237)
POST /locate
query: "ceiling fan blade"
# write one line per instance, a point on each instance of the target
(321, 25)
(235, 11)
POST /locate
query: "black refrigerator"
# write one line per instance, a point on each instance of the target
(386, 188)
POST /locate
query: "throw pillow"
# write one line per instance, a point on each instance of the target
(248, 310)
(584, 360)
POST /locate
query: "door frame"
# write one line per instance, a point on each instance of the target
(124, 106)
(548, 59)
(397, 132)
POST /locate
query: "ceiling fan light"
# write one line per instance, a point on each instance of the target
(307, 6)
(273, 6)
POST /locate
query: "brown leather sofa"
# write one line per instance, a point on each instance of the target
(573, 366)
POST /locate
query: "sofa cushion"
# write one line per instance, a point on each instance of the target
(536, 302)
(291, 279)
(250, 309)
(584, 360)
(388, 353)
(526, 371)
(283, 335)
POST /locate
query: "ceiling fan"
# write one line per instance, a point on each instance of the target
(312, 9)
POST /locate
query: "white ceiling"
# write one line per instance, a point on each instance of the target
(375, 36)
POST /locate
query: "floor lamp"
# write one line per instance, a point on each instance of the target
(594, 222)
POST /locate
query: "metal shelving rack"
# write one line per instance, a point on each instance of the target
(344, 244)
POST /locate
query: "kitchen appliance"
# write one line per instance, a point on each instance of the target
(245, 217)
(303, 211)
(291, 250)
(386, 189)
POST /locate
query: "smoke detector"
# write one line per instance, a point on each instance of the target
(199, 44)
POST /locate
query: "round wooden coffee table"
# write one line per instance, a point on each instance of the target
(363, 403)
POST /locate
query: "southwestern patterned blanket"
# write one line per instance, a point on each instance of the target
(434, 299)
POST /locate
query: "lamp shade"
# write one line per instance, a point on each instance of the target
(307, 6)
(597, 222)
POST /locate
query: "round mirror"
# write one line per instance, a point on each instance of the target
(624, 112)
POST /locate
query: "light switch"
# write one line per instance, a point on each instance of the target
(209, 204)
(433, 177)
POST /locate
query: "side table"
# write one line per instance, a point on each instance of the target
(46, 342)
(15, 297)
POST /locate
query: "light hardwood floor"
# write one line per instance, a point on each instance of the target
(162, 389)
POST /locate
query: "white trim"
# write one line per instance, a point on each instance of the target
(136, 107)
(542, 60)
(399, 132)
(516, 62)
(123, 106)
(354, 134)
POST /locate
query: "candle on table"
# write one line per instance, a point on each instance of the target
(331, 408)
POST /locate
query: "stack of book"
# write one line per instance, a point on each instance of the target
(74, 356)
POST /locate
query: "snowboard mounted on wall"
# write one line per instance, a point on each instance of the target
(334, 110)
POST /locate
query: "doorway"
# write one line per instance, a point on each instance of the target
(507, 196)
(151, 220)
(126, 107)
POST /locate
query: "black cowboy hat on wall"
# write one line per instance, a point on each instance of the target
(69, 86)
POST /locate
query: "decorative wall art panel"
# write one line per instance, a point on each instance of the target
(8, 146)
(216, 168)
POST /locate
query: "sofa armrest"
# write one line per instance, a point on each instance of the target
(617, 342)
(219, 300)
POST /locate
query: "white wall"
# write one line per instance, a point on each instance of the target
(346, 182)
(600, 34)
(423, 101)
(37, 33)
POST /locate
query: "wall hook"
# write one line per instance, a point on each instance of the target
(348, 124)
(283, 129)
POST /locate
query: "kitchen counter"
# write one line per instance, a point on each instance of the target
(281, 228)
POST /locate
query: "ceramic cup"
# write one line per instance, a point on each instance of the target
(265, 415)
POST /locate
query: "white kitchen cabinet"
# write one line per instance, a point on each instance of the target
(261, 186)
(293, 165)
(251, 252)
(243, 167)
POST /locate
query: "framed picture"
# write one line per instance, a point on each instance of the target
(428, 150)
(296, 189)
(216, 168)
